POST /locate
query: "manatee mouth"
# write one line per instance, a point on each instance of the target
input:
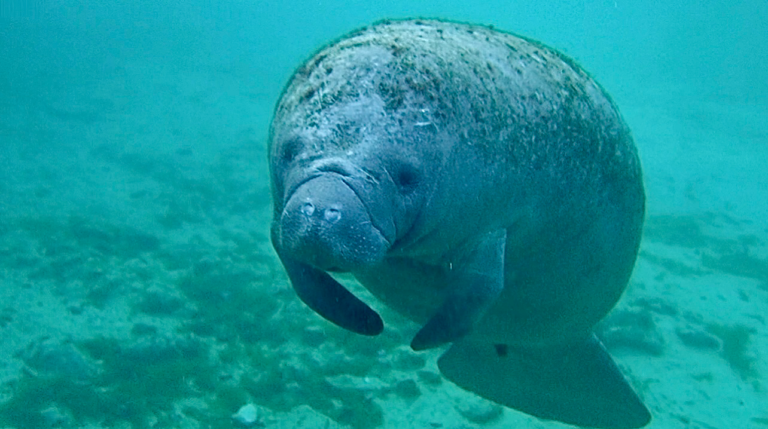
(326, 224)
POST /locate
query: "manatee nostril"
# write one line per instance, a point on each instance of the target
(308, 209)
(332, 215)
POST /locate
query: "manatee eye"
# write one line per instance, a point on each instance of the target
(290, 148)
(406, 177)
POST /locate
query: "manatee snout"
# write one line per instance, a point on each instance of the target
(325, 224)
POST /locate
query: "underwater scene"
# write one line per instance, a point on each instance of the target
(140, 288)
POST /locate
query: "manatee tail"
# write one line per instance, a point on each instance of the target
(579, 384)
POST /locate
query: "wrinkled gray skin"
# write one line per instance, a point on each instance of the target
(479, 183)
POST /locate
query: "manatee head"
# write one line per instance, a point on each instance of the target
(348, 182)
(331, 220)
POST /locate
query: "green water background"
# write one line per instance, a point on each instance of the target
(138, 284)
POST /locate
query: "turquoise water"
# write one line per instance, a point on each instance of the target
(138, 286)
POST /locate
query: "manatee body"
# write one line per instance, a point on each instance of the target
(481, 184)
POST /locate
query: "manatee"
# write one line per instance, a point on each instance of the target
(480, 183)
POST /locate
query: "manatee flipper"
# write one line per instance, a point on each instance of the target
(476, 281)
(579, 384)
(330, 299)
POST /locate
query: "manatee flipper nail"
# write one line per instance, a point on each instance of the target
(477, 280)
(331, 300)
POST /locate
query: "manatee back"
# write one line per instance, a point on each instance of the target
(511, 120)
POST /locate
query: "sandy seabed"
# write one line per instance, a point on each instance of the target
(139, 288)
